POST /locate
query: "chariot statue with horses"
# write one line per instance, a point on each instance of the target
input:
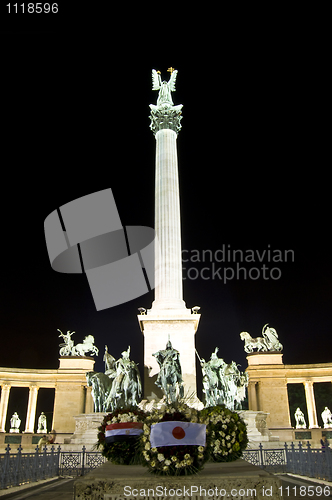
(69, 349)
(268, 342)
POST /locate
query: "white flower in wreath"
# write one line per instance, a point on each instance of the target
(174, 458)
(201, 448)
(168, 462)
(147, 446)
(229, 445)
(153, 463)
(165, 468)
(154, 450)
(200, 455)
(228, 438)
(160, 457)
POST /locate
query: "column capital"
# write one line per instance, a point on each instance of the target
(5, 385)
(167, 117)
(34, 387)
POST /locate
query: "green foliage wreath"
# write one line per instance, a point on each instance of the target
(121, 452)
(227, 432)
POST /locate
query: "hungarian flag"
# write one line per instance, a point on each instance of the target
(122, 431)
(177, 433)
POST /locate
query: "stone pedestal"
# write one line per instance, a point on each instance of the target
(86, 429)
(268, 389)
(237, 479)
(71, 393)
(180, 325)
(256, 425)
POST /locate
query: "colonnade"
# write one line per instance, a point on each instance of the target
(253, 390)
(267, 389)
(72, 395)
(31, 411)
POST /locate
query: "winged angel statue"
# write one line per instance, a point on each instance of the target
(165, 88)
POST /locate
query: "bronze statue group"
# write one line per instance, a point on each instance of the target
(120, 386)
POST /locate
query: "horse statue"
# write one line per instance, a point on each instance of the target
(101, 387)
(242, 384)
(213, 386)
(126, 387)
(131, 385)
(250, 343)
(170, 375)
(87, 346)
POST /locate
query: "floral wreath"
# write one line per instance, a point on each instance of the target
(122, 452)
(172, 460)
(228, 433)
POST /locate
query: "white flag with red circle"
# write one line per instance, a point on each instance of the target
(176, 433)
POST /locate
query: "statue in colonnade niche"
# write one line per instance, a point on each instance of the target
(268, 342)
(327, 417)
(15, 423)
(42, 424)
(300, 420)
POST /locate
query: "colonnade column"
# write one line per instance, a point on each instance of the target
(311, 405)
(4, 406)
(32, 404)
(252, 396)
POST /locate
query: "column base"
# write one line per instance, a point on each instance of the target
(179, 326)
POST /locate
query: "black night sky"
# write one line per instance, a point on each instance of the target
(253, 173)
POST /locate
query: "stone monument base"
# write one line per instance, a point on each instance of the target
(86, 429)
(231, 480)
(257, 429)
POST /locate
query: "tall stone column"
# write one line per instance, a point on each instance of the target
(311, 404)
(5, 391)
(168, 266)
(32, 404)
(168, 318)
